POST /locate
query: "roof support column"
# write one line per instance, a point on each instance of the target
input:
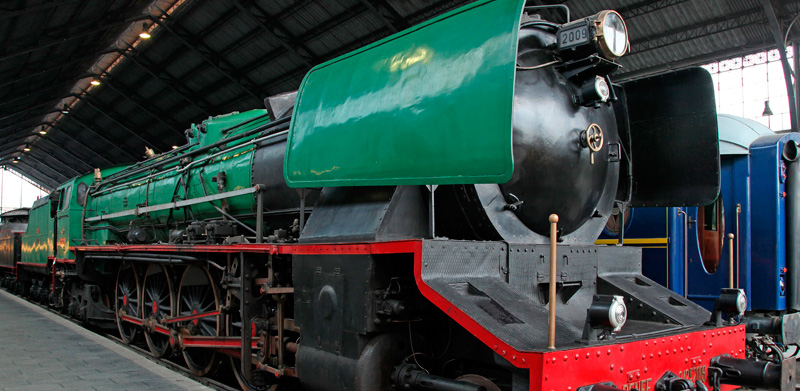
(787, 71)
(796, 60)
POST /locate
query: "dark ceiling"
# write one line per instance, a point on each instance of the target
(212, 57)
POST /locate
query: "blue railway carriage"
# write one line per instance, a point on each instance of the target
(745, 239)
(12, 225)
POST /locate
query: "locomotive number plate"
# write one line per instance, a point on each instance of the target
(573, 37)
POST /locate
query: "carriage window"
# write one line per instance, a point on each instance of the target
(80, 193)
(711, 233)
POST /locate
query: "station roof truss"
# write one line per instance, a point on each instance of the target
(206, 58)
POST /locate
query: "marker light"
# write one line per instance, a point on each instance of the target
(617, 313)
(602, 89)
(732, 301)
(608, 312)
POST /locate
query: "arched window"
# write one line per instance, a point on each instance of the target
(615, 221)
(711, 233)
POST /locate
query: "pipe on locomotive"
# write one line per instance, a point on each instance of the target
(271, 128)
(551, 320)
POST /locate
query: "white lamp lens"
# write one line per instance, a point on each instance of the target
(615, 34)
(618, 313)
(601, 87)
(741, 303)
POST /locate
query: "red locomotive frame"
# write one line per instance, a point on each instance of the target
(635, 365)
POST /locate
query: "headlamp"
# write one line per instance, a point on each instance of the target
(613, 35)
(603, 33)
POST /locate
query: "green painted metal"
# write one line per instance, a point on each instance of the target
(165, 183)
(70, 212)
(217, 128)
(54, 225)
(429, 105)
(37, 242)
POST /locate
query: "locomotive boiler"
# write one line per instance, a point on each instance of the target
(421, 215)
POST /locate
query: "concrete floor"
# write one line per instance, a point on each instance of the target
(42, 351)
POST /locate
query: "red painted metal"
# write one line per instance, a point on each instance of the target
(8, 267)
(352, 248)
(636, 365)
(166, 248)
(131, 319)
(633, 365)
(214, 342)
(161, 329)
(40, 265)
(189, 317)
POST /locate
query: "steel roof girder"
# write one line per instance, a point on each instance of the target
(58, 41)
(10, 14)
(15, 138)
(276, 30)
(217, 23)
(393, 21)
(646, 7)
(47, 70)
(28, 110)
(20, 124)
(55, 157)
(58, 174)
(94, 153)
(138, 101)
(211, 58)
(105, 112)
(65, 150)
(38, 174)
(173, 84)
(699, 30)
(19, 173)
(73, 117)
(38, 92)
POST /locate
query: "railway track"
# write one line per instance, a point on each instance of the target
(218, 383)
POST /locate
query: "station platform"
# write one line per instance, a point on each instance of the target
(41, 351)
